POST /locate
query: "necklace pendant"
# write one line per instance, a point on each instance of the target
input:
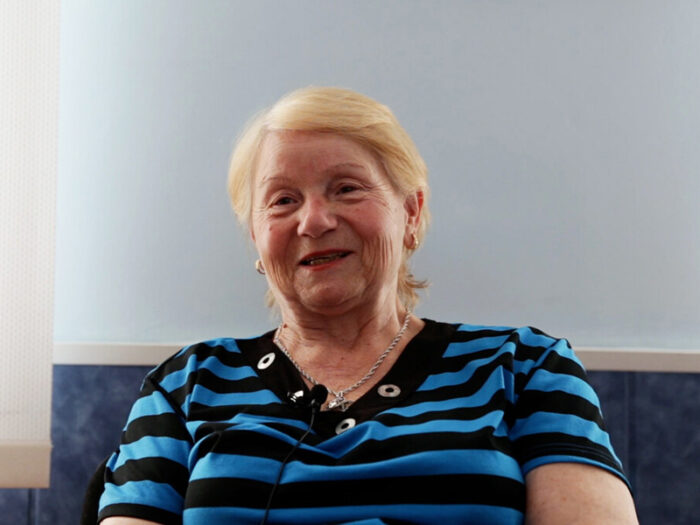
(340, 403)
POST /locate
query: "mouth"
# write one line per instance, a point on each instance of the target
(323, 258)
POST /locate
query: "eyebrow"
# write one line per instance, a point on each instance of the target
(343, 165)
(335, 167)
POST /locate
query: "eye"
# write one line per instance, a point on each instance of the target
(283, 201)
(347, 188)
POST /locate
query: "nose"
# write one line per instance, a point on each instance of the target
(317, 217)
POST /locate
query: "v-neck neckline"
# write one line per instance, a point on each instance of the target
(408, 372)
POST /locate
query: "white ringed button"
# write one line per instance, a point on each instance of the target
(389, 391)
(344, 425)
(266, 361)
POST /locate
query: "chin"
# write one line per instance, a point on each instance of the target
(329, 300)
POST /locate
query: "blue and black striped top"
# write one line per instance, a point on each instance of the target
(446, 436)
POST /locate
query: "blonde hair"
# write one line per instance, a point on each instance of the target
(352, 115)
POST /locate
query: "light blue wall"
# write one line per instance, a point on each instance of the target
(561, 139)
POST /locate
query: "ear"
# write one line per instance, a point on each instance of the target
(413, 205)
(252, 233)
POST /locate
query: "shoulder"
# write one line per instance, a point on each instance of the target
(522, 349)
(213, 355)
(510, 339)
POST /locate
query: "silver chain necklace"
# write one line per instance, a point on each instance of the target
(340, 402)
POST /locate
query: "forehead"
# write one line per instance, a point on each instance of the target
(284, 152)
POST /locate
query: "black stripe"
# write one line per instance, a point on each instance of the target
(225, 416)
(474, 385)
(558, 402)
(252, 444)
(555, 364)
(228, 357)
(526, 351)
(376, 450)
(163, 425)
(151, 386)
(143, 512)
(456, 363)
(159, 470)
(536, 445)
(466, 336)
(462, 414)
(558, 364)
(205, 378)
(429, 490)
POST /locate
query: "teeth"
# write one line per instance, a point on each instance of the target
(323, 260)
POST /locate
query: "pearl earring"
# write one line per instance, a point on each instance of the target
(259, 267)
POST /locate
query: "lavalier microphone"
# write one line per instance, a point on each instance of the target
(314, 401)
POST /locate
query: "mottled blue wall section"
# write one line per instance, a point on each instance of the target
(653, 420)
(15, 506)
(90, 407)
(613, 391)
(665, 440)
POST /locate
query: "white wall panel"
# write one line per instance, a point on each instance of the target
(28, 165)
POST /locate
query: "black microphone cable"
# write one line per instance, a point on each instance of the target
(318, 396)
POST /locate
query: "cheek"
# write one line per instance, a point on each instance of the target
(382, 251)
(272, 247)
(269, 239)
(279, 277)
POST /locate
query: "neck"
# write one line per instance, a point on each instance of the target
(349, 332)
(338, 350)
(348, 369)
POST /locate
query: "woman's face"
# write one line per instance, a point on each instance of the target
(327, 223)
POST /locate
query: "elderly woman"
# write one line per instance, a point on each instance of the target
(416, 421)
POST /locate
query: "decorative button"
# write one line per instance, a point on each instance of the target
(389, 390)
(266, 360)
(344, 425)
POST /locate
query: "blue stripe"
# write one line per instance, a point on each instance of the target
(214, 465)
(562, 349)
(204, 396)
(416, 513)
(469, 347)
(225, 516)
(530, 338)
(151, 493)
(462, 376)
(443, 462)
(153, 404)
(547, 381)
(253, 426)
(223, 371)
(546, 422)
(153, 447)
(493, 384)
(255, 422)
(412, 513)
(370, 521)
(177, 379)
(481, 327)
(225, 342)
(373, 430)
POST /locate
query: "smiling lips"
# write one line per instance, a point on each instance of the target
(323, 258)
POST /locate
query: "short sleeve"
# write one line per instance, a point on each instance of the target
(556, 413)
(147, 476)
